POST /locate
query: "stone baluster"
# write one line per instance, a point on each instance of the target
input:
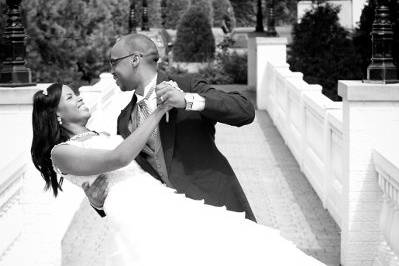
(388, 182)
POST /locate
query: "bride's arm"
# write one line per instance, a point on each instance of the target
(83, 162)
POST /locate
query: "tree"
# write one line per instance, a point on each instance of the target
(245, 12)
(286, 12)
(2, 27)
(362, 38)
(223, 13)
(194, 38)
(174, 11)
(69, 40)
(322, 50)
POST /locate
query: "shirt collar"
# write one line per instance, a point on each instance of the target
(151, 84)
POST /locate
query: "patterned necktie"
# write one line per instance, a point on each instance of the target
(143, 111)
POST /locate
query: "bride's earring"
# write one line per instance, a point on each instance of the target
(59, 120)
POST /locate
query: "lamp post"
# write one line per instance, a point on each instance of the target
(163, 13)
(271, 20)
(382, 68)
(132, 17)
(259, 17)
(145, 26)
(14, 72)
(396, 36)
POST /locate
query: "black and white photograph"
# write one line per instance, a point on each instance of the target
(199, 132)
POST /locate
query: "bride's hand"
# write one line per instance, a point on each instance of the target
(164, 107)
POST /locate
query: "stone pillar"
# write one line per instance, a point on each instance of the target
(273, 50)
(252, 56)
(370, 118)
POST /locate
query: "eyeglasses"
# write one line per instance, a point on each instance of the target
(114, 61)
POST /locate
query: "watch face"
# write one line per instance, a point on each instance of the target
(189, 105)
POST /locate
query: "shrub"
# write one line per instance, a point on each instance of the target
(362, 38)
(228, 68)
(322, 50)
(205, 6)
(235, 66)
(172, 70)
(174, 11)
(194, 38)
(223, 12)
(214, 73)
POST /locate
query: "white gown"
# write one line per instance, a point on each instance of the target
(152, 225)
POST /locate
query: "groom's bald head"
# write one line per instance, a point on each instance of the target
(133, 60)
(136, 43)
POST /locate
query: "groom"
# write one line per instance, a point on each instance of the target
(181, 152)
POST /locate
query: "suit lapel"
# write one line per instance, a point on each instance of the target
(167, 130)
(167, 134)
(123, 125)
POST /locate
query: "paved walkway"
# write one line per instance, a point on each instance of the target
(278, 192)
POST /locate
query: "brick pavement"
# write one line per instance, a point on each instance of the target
(278, 192)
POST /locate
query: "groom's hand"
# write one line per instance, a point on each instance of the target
(97, 192)
(170, 95)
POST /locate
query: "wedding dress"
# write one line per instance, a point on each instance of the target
(152, 225)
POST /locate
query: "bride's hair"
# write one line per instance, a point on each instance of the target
(47, 133)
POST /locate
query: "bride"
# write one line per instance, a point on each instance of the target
(151, 224)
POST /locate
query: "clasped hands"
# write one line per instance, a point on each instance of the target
(169, 95)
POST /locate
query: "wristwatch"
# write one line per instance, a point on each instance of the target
(189, 97)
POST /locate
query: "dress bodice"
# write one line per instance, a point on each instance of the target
(105, 142)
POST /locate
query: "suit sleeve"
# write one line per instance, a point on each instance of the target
(225, 107)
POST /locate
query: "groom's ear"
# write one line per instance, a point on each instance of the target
(134, 61)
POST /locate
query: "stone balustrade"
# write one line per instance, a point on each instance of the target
(333, 144)
(311, 126)
(386, 163)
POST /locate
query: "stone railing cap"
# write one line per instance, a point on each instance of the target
(271, 40)
(356, 90)
(386, 158)
(20, 95)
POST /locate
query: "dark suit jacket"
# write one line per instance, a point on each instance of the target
(195, 166)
